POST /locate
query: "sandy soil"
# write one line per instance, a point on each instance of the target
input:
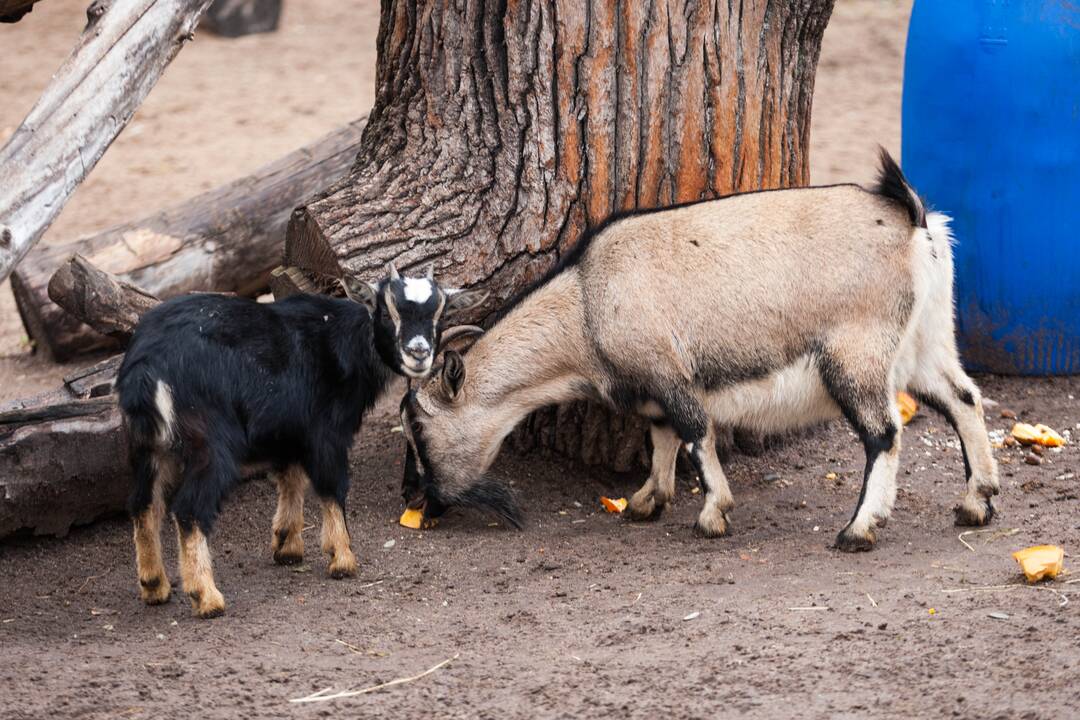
(579, 614)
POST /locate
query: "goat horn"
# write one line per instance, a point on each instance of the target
(459, 331)
(393, 272)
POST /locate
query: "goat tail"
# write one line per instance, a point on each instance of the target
(141, 401)
(892, 184)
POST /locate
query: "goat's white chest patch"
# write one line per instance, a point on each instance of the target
(417, 290)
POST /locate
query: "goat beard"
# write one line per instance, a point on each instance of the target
(486, 495)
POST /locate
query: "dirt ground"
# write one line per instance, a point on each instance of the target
(580, 614)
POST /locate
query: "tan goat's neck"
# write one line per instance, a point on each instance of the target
(535, 356)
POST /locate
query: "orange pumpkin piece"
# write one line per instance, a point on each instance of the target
(1037, 435)
(414, 519)
(1041, 561)
(907, 405)
(1049, 438)
(613, 506)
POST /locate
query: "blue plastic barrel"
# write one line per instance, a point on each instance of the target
(991, 136)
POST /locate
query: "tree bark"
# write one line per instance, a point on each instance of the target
(63, 455)
(118, 59)
(225, 240)
(501, 132)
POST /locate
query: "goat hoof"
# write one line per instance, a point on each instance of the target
(155, 590)
(712, 524)
(849, 540)
(647, 509)
(209, 604)
(343, 565)
(287, 558)
(974, 512)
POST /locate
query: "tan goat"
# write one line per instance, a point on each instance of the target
(769, 310)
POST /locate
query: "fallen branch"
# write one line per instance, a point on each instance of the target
(321, 695)
(101, 300)
(122, 52)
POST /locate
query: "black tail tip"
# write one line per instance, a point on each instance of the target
(892, 184)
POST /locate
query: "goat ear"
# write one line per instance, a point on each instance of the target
(359, 291)
(459, 300)
(453, 373)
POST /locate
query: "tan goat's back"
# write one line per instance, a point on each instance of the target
(733, 286)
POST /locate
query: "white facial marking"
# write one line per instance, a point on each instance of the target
(418, 343)
(418, 290)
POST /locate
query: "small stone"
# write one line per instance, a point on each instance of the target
(1032, 459)
(1009, 441)
(772, 477)
(999, 615)
(1007, 413)
(691, 616)
(389, 544)
(1066, 476)
(1038, 450)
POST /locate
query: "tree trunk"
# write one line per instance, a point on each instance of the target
(501, 132)
(225, 240)
(118, 59)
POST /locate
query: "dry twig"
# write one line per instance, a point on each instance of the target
(321, 695)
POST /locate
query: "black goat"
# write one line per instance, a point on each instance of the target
(211, 382)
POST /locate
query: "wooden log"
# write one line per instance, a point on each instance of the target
(236, 18)
(226, 240)
(63, 455)
(120, 55)
(106, 303)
